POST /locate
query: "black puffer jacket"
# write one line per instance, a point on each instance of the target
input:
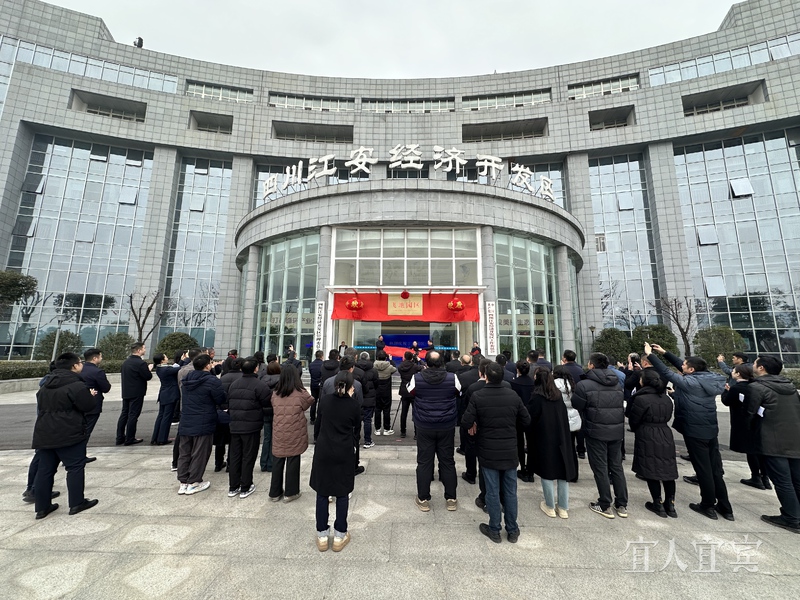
(249, 402)
(368, 378)
(202, 395)
(654, 449)
(778, 429)
(497, 410)
(599, 399)
(735, 398)
(407, 370)
(329, 368)
(61, 405)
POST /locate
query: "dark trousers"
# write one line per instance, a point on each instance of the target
(383, 413)
(470, 449)
(91, 421)
(654, 485)
(785, 476)
(32, 468)
(439, 443)
(580, 439)
(266, 447)
(340, 524)
(757, 464)
(176, 412)
(525, 435)
(605, 459)
(163, 422)
(707, 464)
(366, 418)
(128, 419)
(242, 459)
(575, 435)
(315, 393)
(292, 465)
(405, 404)
(222, 437)
(176, 450)
(74, 459)
(194, 451)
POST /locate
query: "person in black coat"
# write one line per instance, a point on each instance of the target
(333, 470)
(649, 414)
(315, 371)
(202, 394)
(368, 377)
(330, 367)
(551, 456)
(59, 434)
(407, 369)
(453, 364)
(167, 397)
(95, 379)
(134, 375)
(291, 359)
(735, 397)
(495, 412)
(523, 385)
(249, 403)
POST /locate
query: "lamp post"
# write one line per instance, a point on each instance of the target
(591, 330)
(61, 318)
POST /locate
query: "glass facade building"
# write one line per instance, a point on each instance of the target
(514, 209)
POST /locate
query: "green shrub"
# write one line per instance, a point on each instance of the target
(24, 369)
(655, 334)
(173, 343)
(719, 339)
(793, 375)
(67, 342)
(116, 346)
(613, 342)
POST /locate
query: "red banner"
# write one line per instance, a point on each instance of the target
(433, 310)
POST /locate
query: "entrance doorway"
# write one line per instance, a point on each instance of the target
(445, 336)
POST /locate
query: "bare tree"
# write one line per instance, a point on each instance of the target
(617, 310)
(682, 313)
(142, 306)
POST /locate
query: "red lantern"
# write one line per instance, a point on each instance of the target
(455, 304)
(354, 304)
(404, 294)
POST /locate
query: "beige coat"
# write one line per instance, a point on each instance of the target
(289, 425)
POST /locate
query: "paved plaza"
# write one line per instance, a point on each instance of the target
(145, 541)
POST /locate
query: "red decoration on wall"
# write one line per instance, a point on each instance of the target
(404, 294)
(455, 305)
(434, 308)
(354, 304)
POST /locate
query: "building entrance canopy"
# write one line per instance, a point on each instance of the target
(438, 308)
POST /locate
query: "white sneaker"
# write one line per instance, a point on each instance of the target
(182, 489)
(233, 493)
(247, 492)
(368, 445)
(200, 486)
(388, 432)
(378, 432)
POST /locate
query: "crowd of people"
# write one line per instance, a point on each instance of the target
(516, 421)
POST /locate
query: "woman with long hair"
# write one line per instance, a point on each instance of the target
(333, 470)
(553, 454)
(565, 384)
(168, 395)
(289, 433)
(654, 448)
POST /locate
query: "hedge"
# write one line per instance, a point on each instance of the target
(25, 369)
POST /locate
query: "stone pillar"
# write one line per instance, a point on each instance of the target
(565, 307)
(666, 217)
(250, 301)
(229, 310)
(151, 274)
(580, 203)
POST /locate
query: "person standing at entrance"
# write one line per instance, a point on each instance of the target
(407, 369)
(134, 375)
(383, 393)
(435, 416)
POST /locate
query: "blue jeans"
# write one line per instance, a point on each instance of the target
(366, 416)
(266, 447)
(508, 479)
(563, 493)
(785, 476)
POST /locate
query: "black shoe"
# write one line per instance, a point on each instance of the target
(29, 497)
(513, 537)
(468, 478)
(686, 457)
(360, 470)
(755, 482)
(153, 443)
(219, 468)
(778, 521)
(132, 442)
(523, 476)
(461, 451)
(582, 455)
(43, 513)
(90, 459)
(765, 481)
(85, 505)
(669, 508)
(728, 516)
(492, 535)
(481, 504)
(657, 508)
(708, 512)
(691, 479)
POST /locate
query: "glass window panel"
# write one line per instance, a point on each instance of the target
(369, 272)
(417, 243)
(394, 243)
(344, 272)
(707, 235)
(417, 273)
(715, 287)
(741, 187)
(441, 272)
(466, 244)
(441, 243)
(393, 272)
(369, 243)
(467, 272)
(346, 240)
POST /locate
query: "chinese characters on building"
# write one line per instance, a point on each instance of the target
(404, 157)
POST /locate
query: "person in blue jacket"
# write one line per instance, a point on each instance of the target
(168, 395)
